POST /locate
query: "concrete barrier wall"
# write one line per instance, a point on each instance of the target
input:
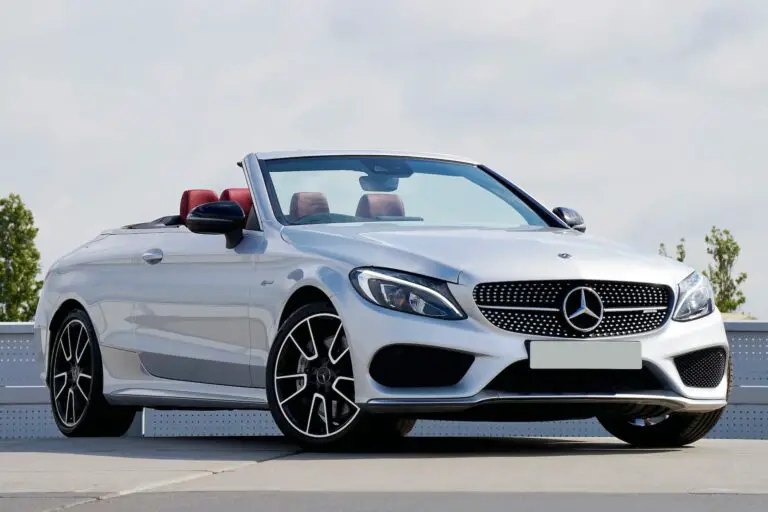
(25, 410)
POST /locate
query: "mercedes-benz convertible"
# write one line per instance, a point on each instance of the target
(354, 293)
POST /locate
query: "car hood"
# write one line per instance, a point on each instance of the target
(470, 255)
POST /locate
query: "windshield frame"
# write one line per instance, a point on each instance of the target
(547, 216)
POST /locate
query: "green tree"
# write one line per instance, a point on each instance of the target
(724, 251)
(19, 261)
(679, 250)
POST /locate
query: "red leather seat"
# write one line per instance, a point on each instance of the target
(193, 198)
(308, 203)
(241, 196)
(385, 205)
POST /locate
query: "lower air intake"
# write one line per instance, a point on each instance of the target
(418, 366)
(703, 368)
(520, 378)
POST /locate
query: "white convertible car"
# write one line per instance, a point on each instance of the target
(353, 293)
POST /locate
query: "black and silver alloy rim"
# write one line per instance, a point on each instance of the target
(72, 378)
(314, 384)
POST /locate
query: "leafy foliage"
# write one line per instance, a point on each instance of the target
(19, 261)
(679, 250)
(724, 251)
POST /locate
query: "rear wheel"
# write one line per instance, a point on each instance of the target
(667, 431)
(75, 383)
(311, 385)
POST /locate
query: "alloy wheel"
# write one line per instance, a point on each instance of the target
(313, 378)
(72, 373)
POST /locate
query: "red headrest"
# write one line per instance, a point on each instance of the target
(374, 205)
(308, 203)
(241, 196)
(193, 198)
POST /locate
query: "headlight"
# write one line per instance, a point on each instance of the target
(695, 298)
(407, 293)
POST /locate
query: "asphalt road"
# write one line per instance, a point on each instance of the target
(423, 474)
(390, 502)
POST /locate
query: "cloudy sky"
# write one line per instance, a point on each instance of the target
(649, 117)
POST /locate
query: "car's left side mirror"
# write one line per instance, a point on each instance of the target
(218, 218)
(571, 217)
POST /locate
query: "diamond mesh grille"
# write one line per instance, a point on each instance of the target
(630, 308)
(703, 368)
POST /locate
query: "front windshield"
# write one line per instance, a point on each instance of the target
(325, 190)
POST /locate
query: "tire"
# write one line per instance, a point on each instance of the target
(309, 372)
(676, 430)
(76, 381)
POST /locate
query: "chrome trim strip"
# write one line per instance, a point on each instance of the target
(555, 310)
(622, 310)
(519, 308)
(662, 398)
(180, 400)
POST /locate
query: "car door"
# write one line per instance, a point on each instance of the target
(192, 314)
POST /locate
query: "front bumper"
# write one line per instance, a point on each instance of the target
(662, 399)
(370, 328)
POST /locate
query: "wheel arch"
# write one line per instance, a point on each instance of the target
(320, 282)
(57, 319)
(303, 295)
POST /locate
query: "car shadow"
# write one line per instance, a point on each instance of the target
(452, 447)
(273, 447)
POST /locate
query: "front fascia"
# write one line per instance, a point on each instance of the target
(370, 328)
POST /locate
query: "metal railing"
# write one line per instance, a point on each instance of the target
(25, 410)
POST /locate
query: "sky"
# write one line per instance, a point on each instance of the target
(648, 117)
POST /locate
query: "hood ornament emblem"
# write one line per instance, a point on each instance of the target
(564, 255)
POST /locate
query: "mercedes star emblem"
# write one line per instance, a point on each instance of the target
(324, 376)
(583, 309)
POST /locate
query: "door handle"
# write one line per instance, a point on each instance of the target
(152, 256)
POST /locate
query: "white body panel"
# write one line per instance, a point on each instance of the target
(194, 329)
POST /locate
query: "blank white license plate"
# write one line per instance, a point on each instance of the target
(586, 355)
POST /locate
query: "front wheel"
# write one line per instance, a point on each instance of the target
(311, 385)
(668, 431)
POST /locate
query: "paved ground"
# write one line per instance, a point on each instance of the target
(424, 474)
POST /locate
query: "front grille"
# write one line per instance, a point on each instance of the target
(536, 307)
(519, 378)
(702, 368)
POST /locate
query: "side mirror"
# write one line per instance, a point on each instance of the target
(571, 217)
(218, 218)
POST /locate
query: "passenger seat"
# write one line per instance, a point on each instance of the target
(380, 205)
(193, 198)
(308, 203)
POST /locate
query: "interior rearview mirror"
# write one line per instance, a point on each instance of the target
(571, 217)
(218, 218)
(373, 183)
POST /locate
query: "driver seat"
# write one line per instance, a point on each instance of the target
(241, 196)
(192, 198)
